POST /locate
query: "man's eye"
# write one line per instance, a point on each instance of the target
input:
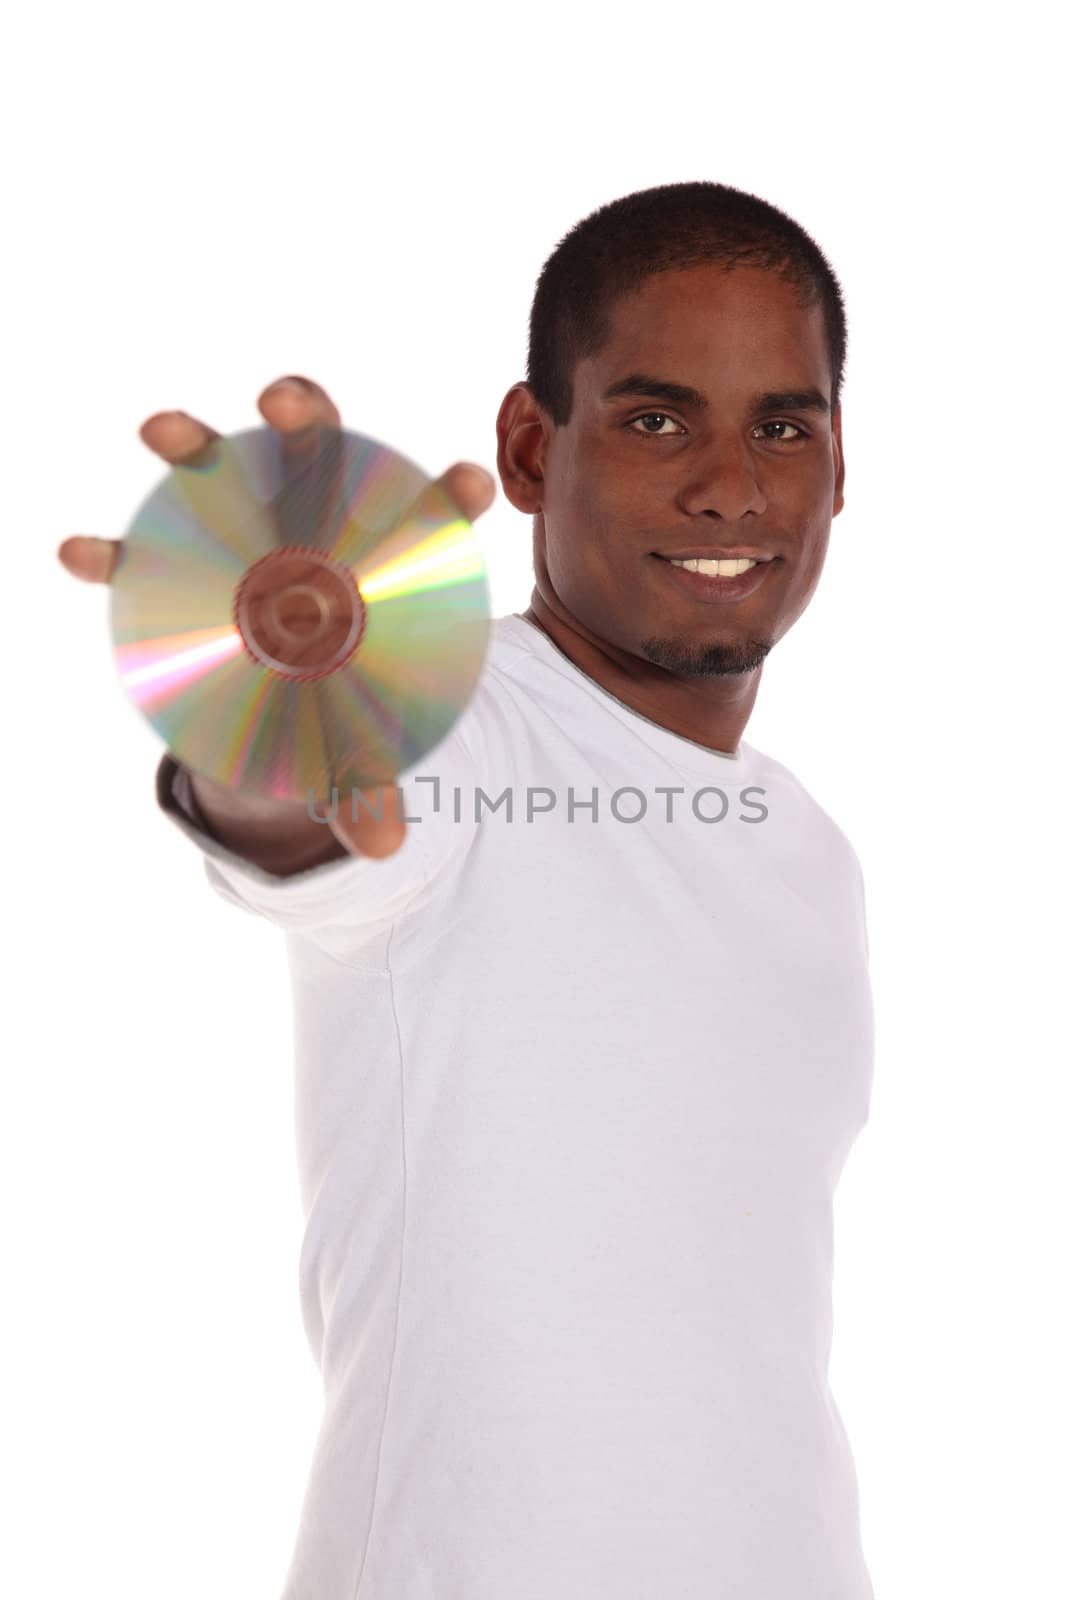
(800, 434)
(652, 416)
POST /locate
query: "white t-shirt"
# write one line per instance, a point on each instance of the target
(573, 1094)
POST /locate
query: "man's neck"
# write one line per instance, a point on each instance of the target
(709, 711)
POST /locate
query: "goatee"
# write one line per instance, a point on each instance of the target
(707, 660)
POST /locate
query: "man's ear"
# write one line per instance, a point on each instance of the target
(839, 462)
(520, 448)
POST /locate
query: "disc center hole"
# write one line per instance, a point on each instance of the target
(299, 611)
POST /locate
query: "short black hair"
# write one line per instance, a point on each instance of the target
(677, 225)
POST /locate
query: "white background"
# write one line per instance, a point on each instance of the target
(203, 197)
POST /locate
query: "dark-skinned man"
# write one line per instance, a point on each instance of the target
(584, 1030)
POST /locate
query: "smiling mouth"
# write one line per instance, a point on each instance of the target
(710, 584)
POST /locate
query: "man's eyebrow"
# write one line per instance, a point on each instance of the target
(680, 394)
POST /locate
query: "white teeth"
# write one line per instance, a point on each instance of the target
(716, 569)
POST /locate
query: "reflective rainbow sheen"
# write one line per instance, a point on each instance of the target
(164, 665)
(181, 659)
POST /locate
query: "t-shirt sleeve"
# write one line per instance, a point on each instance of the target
(858, 888)
(345, 905)
(863, 915)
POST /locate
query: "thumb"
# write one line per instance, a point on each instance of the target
(360, 828)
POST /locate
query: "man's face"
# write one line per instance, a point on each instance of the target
(634, 477)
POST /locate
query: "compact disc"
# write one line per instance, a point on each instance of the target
(294, 615)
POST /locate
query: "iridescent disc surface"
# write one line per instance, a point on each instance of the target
(295, 619)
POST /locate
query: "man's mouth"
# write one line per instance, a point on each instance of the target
(704, 578)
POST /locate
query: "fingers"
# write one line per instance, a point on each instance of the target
(308, 425)
(180, 439)
(305, 417)
(366, 835)
(293, 404)
(464, 488)
(91, 560)
(471, 489)
(176, 437)
(296, 407)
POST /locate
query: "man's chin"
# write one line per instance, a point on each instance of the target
(723, 659)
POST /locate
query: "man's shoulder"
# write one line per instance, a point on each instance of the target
(794, 793)
(516, 652)
(512, 641)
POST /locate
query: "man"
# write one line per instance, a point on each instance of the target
(577, 1076)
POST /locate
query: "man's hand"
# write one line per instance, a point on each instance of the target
(281, 833)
